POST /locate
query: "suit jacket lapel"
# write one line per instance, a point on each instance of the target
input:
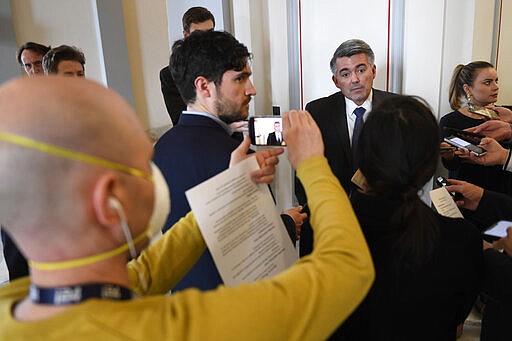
(342, 132)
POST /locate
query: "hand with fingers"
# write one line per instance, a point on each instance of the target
(267, 160)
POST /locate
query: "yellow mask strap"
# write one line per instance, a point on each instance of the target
(71, 154)
(73, 263)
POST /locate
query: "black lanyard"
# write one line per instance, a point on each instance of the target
(78, 293)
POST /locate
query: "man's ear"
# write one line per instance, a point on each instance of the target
(202, 86)
(103, 195)
(335, 81)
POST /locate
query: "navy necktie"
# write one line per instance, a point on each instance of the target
(358, 126)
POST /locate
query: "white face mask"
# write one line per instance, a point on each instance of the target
(161, 205)
(161, 209)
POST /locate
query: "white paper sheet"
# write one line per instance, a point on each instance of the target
(444, 204)
(241, 225)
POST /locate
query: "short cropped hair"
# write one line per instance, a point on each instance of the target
(196, 15)
(31, 46)
(64, 52)
(349, 48)
(208, 54)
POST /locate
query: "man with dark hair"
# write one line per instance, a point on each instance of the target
(197, 18)
(341, 115)
(194, 19)
(212, 72)
(30, 57)
(65, 60)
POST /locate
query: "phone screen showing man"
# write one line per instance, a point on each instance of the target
(266, 131)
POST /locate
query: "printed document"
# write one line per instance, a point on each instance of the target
(241, 225)
(444, 204)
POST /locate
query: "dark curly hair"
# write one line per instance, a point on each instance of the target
(209, 54)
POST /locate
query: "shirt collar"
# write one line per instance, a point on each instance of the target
(223, 124)
(351, 106)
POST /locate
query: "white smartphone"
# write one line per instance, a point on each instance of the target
(499, 229)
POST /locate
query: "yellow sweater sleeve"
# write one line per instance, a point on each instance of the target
(166, 261)
(307, 301)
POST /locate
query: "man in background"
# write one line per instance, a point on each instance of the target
(65, 60)
(195, 18)
(30, 57)
(275, 138)
(341, 115)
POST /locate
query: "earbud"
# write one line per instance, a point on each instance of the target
(114, 203)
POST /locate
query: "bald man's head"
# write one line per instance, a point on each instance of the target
(82, 116)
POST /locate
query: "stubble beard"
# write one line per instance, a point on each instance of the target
(227, 113)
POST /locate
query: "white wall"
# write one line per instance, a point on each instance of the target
(278, 43)
(325, 25)
(147, 37)
(454, 49)
(505, 55)
(423, 49)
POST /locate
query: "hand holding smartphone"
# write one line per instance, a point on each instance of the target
(464, 144)
(441, 181)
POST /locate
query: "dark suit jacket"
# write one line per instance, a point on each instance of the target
(272, 139)
(329, 114)
(193, 151)
(497, 286)
(16, 262)
(172, 98)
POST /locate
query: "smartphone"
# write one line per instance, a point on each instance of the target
(441, 181)
(266, 131)
(462, 143)
(473, 138)
(498, 230)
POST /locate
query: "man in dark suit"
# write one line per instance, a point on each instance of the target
(341, 115)
(212, 73)
(275, 138)
(194, 19)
